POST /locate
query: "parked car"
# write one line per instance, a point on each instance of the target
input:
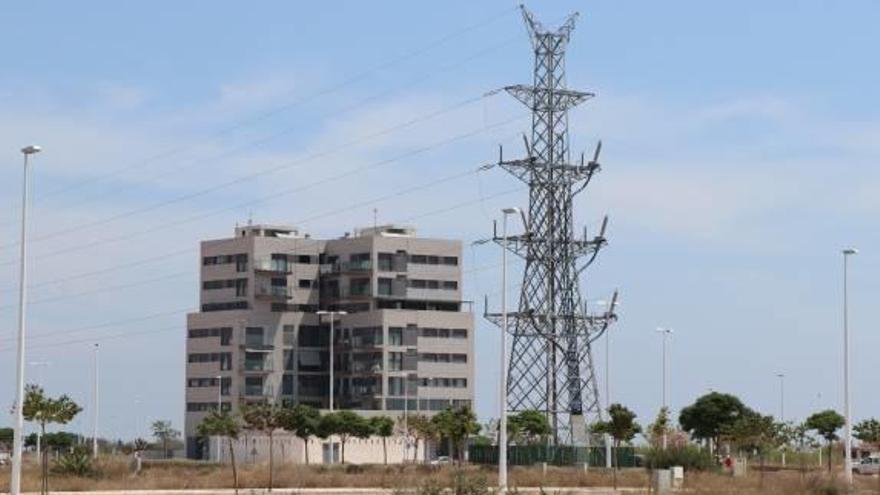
(868, 465)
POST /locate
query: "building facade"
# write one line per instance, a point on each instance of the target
(263, 333)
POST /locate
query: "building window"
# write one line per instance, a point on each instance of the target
(359, 287)
(385, 286)
(386, 262)
(224, 306)
(305, 283)
(395, 336)
(395, 361)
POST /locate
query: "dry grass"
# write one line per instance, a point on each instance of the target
(116, 475)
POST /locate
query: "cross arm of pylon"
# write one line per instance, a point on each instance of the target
(545, 100)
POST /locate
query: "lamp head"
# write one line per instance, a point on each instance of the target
(849, 251)
(510, 211)
(31, 149)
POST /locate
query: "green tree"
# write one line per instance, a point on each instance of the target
(825, 424)
(223, 424)
(382, 426)
(753, 432)
(457, 424)
(528, 426)
(711, 415)
(622, 427)
(302, 421)
(867, 430)
(264, 418)
(44, 410)
(659, 427)
(345, 425)
(420, 427)
(6, 435)
(164, 433)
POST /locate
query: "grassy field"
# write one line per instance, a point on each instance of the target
(115, 474)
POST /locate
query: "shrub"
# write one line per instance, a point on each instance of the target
(76, 462)
(462, 484)
(690, 457)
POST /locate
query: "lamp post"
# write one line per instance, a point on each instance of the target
(665, 332)
(846, 401)
(333, 315)
(502, 386)
(95, 426)
(220, 409)
(781, 377)
(15, 479)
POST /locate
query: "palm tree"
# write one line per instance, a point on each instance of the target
(164, 433)
(302, 421)
(382, 426)
(44, 410)
(265, 418)
(223, 424)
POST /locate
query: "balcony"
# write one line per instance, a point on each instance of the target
(252, 391)
(273, 292)
(347, 267)
(272, 266)
(261, 365)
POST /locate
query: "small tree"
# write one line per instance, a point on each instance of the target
(457, 425)
(710, 415)
(302, 421)
(164, 433)
(45, 410)
(659, 428)
(825, 424)
(528, 426)
(265, 418)
(419, 427)
(622, 427)
(222, 424)
(382, 426)
(344, 424)
(867, 430)
(753, 432)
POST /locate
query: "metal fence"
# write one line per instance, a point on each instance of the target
(526, 455)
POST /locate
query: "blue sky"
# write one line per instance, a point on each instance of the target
(740, 143)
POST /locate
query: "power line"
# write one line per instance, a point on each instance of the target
(99, 290)
(269, 197)
(254, 175)
(360, 204)
(267, 114)
(238, 149)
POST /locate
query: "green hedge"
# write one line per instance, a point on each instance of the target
(526, 455)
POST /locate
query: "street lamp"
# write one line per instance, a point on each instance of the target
(666, 332)
(220, 409)
(846, 401)
(95, 426)
(502, 386)
(781, 377)
(15, 481)
(333, 315)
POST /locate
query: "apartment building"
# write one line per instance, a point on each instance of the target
(404, 342)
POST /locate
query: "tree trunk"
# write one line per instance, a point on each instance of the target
(306, 443)
(342, 441)
(829, 455)
(761, 480)
(234, 470)
(615, 459)
(164, 447)
(44, 462)
(385, 450)
(271, 459)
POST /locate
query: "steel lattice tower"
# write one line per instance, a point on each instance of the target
(551, 366)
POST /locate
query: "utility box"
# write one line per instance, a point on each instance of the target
(677, 477)
(739, 467)
(661, 480)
